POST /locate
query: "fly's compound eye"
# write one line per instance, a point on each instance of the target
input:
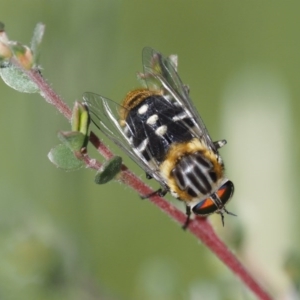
(216, 201)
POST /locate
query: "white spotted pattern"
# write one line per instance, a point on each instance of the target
(161, 130)
(143, 109)
(180, 116)
(152, 120)
(142, 146)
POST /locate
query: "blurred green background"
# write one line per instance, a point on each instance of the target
(64, 237)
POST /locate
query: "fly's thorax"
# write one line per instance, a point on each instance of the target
(153, 124)
(132, 99)
(192, 171)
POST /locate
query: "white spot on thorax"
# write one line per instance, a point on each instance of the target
(143, 109)
(180, 116)
(142, 146)
(152, 120)
(161, 130)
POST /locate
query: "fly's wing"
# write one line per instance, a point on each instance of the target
(105, 115)
(160, 74)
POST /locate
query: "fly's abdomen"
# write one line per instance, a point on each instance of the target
(191, 170)
(195, 175)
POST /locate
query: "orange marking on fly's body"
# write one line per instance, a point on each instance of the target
(220, 192)
(207, 203)
(174, 155)
(132, 99)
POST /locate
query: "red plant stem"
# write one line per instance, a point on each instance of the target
(199, 227)
(49, 94)
(211, 240)
(103, 150)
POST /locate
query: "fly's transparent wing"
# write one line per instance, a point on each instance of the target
(105, 115)
(157, 67)
(160, 74)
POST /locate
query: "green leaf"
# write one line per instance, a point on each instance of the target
(17, 79)
(74, 140)
(109, 170)
(63, 157)
(36, 41)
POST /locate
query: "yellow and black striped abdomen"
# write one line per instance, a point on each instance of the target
(192, 171)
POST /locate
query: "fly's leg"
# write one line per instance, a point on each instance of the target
(220, 144)
(221, 212)
(160, 192)
(188, 218)
(148, 176)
